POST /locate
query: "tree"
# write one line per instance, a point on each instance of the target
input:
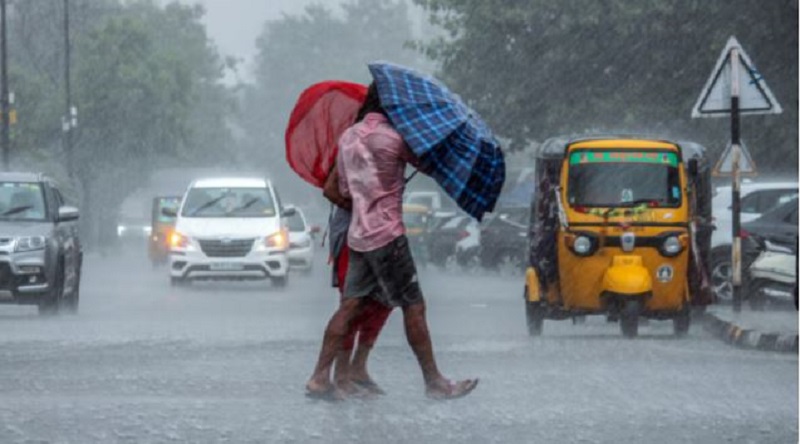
(147, 84)
(539, 68)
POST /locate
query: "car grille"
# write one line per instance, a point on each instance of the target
(226, 248)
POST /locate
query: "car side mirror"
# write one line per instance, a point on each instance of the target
(315, 229)
(68, 214)
(169, 212)
(289, 211)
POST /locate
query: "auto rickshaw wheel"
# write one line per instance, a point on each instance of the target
(681, 322)
(629, 318)
(534, 316)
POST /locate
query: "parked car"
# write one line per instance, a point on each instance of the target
(40, 250)
(230, 229)
(773, 275)
(455, 240)
(757, 198)
(301, 242)
(504, 240)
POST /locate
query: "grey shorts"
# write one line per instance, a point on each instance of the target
(387, 274)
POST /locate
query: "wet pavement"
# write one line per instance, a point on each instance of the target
(226, 362)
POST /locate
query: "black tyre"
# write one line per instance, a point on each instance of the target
(280, 281)
(629, 318)
(722, 275)
(534, 316)
(50, 305)
(72, 301)
(681, 322)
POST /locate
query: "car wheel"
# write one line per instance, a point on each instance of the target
(629, 318)
(178, 281)
(51, 304)
(534, 317)
(72, 302)
(682, 321)
(280, 281)
(722, 275)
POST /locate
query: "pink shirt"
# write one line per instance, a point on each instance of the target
(371, 163)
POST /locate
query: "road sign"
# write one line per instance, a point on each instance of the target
(724, 167)
(755, 96)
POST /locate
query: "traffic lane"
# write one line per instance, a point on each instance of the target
(229, 362)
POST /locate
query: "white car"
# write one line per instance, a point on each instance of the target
(230, 228)
(301, 242)
(756, 199)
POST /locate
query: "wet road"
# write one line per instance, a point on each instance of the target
(145, 363)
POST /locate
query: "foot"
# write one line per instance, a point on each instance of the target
(445, 389)
(324, 392)
(369, 385)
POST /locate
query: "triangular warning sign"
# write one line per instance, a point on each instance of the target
(755, 96)
(724, 165)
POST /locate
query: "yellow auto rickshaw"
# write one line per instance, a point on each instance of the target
(620, 226)
(162, 226)
(417, 219)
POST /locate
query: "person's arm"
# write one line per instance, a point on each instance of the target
(332, 189)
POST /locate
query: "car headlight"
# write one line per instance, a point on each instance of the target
(178, 240)
(121, 229)
(30, 243)
(671, 246)
(278, 240)
(582, 245)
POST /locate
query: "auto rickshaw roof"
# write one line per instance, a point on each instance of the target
(555, 148)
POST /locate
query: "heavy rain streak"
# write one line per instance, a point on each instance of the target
(398, 221)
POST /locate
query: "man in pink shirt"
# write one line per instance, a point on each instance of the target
(371, 166)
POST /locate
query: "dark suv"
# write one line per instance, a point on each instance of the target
(40, 252)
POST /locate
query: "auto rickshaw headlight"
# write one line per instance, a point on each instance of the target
(582, 246)
(671, 247)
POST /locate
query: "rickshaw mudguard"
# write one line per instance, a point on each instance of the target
(627, 276)
(534, 292)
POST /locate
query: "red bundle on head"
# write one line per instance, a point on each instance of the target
(320, 116)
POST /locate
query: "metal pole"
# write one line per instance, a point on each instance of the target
(5, 139)
(67, 125)
(736, 253)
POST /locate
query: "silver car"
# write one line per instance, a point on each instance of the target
(40, 252)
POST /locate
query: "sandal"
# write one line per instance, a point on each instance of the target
(454, 390)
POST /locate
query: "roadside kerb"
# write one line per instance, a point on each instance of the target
(733, 334)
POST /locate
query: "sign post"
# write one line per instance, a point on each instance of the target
(735, 87)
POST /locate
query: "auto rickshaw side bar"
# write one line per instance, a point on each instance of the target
(638, 248)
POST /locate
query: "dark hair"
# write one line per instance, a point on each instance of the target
(372, 103)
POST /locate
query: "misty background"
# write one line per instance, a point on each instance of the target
(168, 91)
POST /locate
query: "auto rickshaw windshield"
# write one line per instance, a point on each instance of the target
(608, 178)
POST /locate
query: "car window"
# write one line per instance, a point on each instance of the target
(22, 201)
(791, 217)
(769, 199)
(750, 203)
(295, 223)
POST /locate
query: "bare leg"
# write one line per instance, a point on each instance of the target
(419, 338)
(331, 343)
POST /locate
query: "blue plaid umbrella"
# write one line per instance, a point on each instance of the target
(453, 144)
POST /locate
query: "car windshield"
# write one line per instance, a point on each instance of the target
(22, 201)
(610, 178)
(295, 223)
(228, 202)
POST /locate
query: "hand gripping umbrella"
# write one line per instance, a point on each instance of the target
(322, 113)
(453, 144)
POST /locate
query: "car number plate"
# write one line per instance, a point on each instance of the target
(226, 266)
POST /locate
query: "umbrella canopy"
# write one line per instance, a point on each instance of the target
(454, 145)
(322, 113)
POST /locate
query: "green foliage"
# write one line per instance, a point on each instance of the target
(539, 68)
